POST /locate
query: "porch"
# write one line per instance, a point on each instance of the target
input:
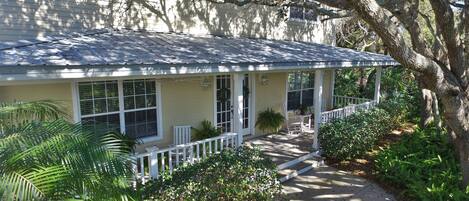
(292, 153)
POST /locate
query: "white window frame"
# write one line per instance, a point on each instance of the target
(298, 90)
(77, 112)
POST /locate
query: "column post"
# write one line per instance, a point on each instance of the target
(238, 106)
(333, 73)
(318, 90)
(378, 84)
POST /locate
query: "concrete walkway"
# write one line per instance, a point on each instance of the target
(327, 183)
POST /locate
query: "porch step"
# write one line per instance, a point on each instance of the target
(299, 166)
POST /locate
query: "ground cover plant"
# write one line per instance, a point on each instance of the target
(425, 165)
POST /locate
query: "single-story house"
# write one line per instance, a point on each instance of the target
(146, 83)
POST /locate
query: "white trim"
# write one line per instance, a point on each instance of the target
(147, 70)
(318, 90)
(75, 102)
(238, 101)
(120, 92)
(378, 84)
(159, 111)
(285, 104)
(252, 107)
(214, 121)
(248, 130)
(97, 115)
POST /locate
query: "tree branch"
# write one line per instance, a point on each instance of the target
(407, 13)
(380, 20)
(296, 3)
(444, 18)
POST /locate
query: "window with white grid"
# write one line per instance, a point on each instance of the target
(99, 104)
(130, 106)
(140, 108)
(300, 90)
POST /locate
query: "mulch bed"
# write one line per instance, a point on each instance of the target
(364, 166)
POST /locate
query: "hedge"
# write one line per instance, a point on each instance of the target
(354, 135)
(242, 174)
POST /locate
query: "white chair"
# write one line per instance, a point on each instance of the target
(298, 124)
(182, 135)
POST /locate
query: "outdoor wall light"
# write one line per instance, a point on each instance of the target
(264, 80)
(205, 83)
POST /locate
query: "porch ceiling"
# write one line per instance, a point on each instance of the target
(111, 53)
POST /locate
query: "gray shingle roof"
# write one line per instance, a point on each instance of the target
(103, 49)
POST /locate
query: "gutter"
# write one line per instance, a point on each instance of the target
(60, 72)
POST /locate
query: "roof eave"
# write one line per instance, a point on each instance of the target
(50, 72)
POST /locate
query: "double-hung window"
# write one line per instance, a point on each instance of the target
(128, 106)
(302, 14)
(300, 90)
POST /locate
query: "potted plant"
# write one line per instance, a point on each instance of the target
(270, 120)
(205, 131)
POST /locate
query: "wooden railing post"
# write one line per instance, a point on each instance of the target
(153, 164)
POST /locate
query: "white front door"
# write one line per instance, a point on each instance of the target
(224, 103)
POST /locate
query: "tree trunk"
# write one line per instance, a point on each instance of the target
(362, 81)
(456, 113)
(462, 145)
(426, 105)
(436, 111)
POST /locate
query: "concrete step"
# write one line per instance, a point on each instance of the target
(299, 166)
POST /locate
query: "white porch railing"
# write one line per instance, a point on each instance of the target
(328, 116)
(152, 164)
(342, 101)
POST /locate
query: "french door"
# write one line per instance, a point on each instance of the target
(224, 103)
(246, 105)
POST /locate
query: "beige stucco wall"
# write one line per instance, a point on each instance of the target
(327, 89)
(60, 92)
(184, 102)
(271, 95)
(28, 19)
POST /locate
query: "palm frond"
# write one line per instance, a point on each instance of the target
(15, 114)
(30, 185)
(93, 161)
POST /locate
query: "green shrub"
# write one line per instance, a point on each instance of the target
(354, 135)
(242, 174)
(205, 131)
(401, 108)
(425, 164)
(269, 120)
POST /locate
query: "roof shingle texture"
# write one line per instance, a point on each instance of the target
(127, 47)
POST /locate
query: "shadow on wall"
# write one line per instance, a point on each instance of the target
(36, 19)
(39, 18)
